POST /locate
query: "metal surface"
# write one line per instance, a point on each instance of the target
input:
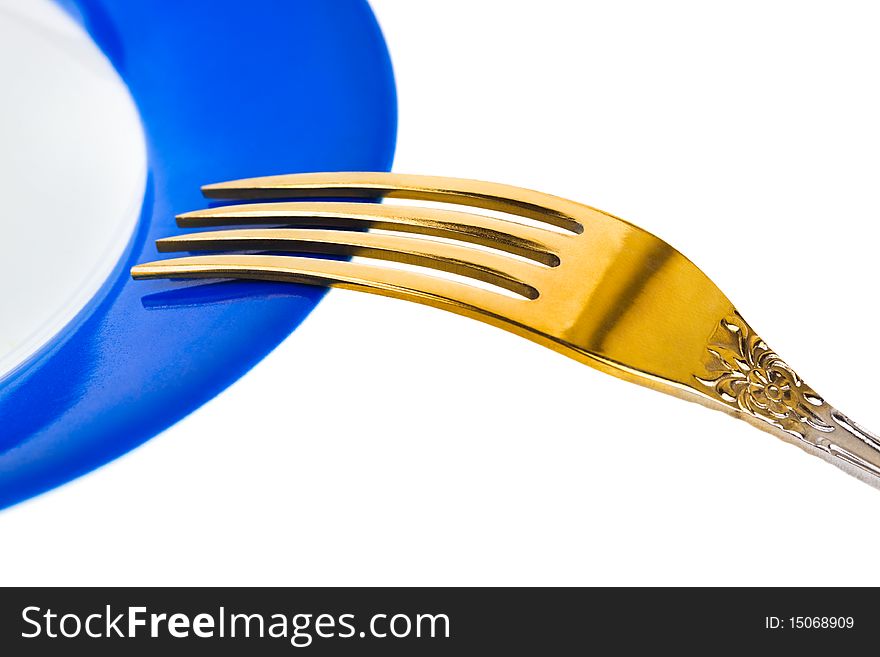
(601, 290)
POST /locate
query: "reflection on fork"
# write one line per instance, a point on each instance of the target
(582, 282)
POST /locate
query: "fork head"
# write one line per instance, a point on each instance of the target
(580, 281)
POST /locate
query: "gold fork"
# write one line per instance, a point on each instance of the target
(597, 288)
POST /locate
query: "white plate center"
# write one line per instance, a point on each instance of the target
(72, 173)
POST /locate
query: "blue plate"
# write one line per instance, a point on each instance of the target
(226, 89)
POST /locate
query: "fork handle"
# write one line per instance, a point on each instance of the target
(837, 439)
(747, 377)
(850, 446)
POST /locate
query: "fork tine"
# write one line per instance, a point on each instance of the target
(519, 239)
(488, 267)
(488, 306)
(551, 209)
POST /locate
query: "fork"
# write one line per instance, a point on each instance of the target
(582, 282)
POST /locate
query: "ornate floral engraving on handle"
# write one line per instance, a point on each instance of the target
(750, 377)
(747, 376)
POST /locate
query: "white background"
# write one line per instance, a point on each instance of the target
(388, 443)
